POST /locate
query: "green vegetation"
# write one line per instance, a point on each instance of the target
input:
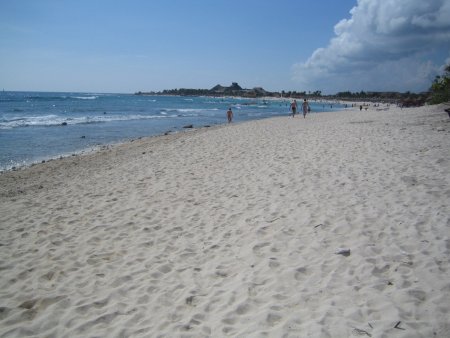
(440, 89)
(406, 99)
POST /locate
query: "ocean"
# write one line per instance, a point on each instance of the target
(38, 126)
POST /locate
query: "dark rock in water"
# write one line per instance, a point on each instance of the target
(83, 136)
(64, 124)
(207, 126)
(189, 126)
(167, 132)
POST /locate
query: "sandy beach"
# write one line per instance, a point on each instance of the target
(337, 225)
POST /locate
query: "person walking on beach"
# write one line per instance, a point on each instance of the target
(230, 115)
(305, 107)
(294, 108)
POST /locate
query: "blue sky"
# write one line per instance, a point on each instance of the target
(127, 46)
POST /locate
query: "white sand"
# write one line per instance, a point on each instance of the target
(232, 231)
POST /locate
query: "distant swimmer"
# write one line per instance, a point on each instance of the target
(305, 107)
(230, 115)
(294, 108)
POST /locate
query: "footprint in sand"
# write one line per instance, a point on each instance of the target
(272, 319)
(300, 273)
(258, 248)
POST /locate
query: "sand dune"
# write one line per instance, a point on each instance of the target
(234, 231)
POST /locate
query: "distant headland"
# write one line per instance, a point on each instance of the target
(408, 98)
(219, 90)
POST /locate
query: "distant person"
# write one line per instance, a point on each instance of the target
(230, 115)
(294, 108)
(305, 107)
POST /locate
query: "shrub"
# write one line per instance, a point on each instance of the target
(440, 89)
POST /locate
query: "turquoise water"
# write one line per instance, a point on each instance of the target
(37, 126)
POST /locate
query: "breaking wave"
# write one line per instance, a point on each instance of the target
(56, 120)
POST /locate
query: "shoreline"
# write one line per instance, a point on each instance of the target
(97, 148)
(333, 225)
(93, 148)
(82, 134)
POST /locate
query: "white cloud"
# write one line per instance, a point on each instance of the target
(384, 45)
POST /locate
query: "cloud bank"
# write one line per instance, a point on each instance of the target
(386, 45)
